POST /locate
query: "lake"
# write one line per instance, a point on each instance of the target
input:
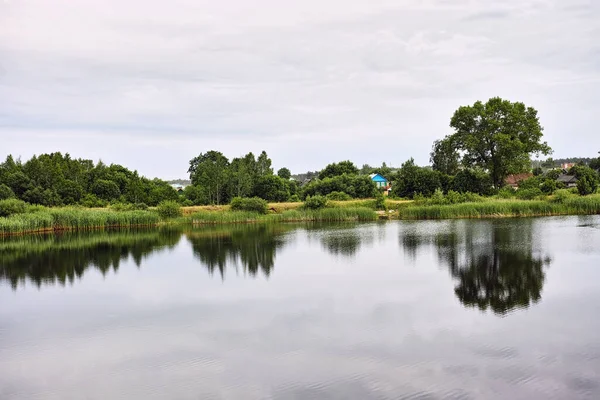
(482, 309)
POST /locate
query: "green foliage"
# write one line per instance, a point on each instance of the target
(538, 171)
(315, 202)
(529, 194)
(284, 173)
(294, 199)
(195, 195)
(562, 195)
(357, 186)
(380, 201)
(254, 204)
(271, 188)
(412, 180)
(474, 181)
(339, 196)
(337, 169)
(553, 174)
(210, 170)
(187, 203)
(10, 207)
(498, 136)
(452, 197)
(169, 209)
(92, 201)
(506, 192)
(6, 192)
(587, 179)
(444, 157)
(106, 190)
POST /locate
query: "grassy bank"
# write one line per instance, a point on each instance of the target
(496, 208)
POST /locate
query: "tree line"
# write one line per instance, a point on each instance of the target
(56, 179)
(489, 142)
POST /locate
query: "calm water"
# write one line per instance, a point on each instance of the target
(506, 309)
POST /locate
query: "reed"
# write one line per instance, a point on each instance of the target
(505, 208)
(74, 219)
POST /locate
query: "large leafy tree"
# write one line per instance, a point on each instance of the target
(498, 136)
(444, 157)
(209, 170)
(412, 179)
(263, 164)
(337, 169)
(284, 173)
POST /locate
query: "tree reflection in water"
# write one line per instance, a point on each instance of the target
(61, 258)
(254, 247)
(495, 264)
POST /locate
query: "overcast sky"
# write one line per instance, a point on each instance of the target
(150, 84)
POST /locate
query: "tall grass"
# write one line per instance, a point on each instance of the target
(74, 219)
(505, 208)
(325, 215)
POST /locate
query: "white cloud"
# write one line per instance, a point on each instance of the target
(356, 79)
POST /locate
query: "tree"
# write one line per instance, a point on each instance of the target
(474, 181)
(498, 136)
(587, 179)
(412, 179)
(336, 169)
(595, 163)
(271, 188)
(209, 171)
(263, 165)
(444, 157)
(241, 176)
(284, 173)
(106, 190)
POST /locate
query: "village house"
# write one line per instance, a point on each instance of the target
(570, 181)
(381, 182)
(514, 180)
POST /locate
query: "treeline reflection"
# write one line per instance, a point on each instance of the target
(496, 265)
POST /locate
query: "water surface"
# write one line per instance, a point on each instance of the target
(494, 309)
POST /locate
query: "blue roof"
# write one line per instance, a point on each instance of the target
(378, 178)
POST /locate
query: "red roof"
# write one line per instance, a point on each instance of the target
(514, 180)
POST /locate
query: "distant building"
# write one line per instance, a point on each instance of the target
(570, 181)
(567, 166)
(380, 182)
(178, 187)
(515, 179)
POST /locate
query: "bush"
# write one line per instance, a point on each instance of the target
(380, 201)
(506, 192)
(169, 209)
(140, 206)
(339, 196)
(315, 202)
(92, 201)
(529, 194)
(10, 207)
(255, 204)
(187, 203)
(6, 192)
(562, 195)
(294, 199)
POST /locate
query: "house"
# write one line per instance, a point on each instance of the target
(515, 179)
(570, 181)
(178, 187)
(567, 166)
(380, 181)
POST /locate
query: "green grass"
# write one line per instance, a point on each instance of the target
(505, 208)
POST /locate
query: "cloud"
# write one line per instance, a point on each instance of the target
(172, 79)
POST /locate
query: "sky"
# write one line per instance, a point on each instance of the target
(151, 84)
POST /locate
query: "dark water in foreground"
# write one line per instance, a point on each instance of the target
(506, 309)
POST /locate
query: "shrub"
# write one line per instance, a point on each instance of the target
(339, 196)
(6, 192)
(255, 204)
(506, 193)
(529, 194)
(562, 195)
(294, 199)
(92, 201)
(380, 201)
(10, 207)
(140, 206)
(187, 203)
(169, 209)
(315, 202)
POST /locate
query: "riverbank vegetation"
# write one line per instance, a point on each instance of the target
(468, 178)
